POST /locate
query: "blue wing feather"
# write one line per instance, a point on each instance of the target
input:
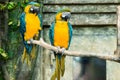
(22, 31)
(22, 24)
(40, 17)
(70, 33)
(51, 33)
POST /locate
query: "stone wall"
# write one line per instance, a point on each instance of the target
(94, 25)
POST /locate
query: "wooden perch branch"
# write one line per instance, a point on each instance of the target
(105, 56)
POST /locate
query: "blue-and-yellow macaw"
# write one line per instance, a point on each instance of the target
(60, 35)
(30, 26)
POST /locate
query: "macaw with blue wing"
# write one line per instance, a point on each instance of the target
(30, 27)
(60, 35)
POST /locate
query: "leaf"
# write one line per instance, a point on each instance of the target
(11, 5)
(4, 55)
(2, 6)
(18, 23)
(10, 23)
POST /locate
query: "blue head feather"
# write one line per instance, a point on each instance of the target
(63, 10)
(34, 3)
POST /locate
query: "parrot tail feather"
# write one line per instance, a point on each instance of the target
(28, 60)
(26, 57)
(57, 70)
(53, 76)
(62, 65)
(33, 52)
(60, 68)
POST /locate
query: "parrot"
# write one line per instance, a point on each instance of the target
(60, 35)
(30, 27)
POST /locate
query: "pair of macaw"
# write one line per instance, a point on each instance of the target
(60, 34)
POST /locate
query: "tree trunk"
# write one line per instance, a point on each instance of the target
(14, 69)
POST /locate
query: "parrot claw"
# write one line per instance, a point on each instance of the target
(62, 51)
(58, 49)
(30, 41)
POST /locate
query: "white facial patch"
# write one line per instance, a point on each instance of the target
(66, 14)
(31, 9)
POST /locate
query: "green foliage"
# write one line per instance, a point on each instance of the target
(22, 5)
(3, 54)
(2, 6)
(1, 74)
(8, 5)
(13, 25)
(12, 5)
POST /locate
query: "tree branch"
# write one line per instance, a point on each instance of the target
(82, 53)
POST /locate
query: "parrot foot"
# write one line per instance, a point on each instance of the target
(63, 50)
(58, 49)
(30, 41)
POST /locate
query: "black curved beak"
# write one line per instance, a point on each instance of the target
(35, 9)
(66, 15)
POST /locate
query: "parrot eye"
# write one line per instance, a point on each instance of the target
(34, 9)
(31, 9)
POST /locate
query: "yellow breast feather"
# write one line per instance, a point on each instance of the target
(61, 34)
(32, 26)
